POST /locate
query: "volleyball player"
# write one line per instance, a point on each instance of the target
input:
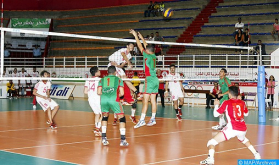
(235, 110)
(41, 91)
(176, 90)
(151, 83)
(224, 84)
(90, 88)
(111, 89)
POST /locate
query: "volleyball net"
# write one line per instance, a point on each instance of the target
(70, 56)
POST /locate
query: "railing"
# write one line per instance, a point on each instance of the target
(186, 61)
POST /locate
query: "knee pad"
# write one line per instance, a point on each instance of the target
(105, 118)
(212, 142)
(245, 140)
(134, 105)
(122, 120)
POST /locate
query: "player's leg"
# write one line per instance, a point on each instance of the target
(105, 117)
(96, 107)
(181, 102)
(122, 129)
(133, 111)
(54, 109)
(241, 135)
(114, 120)
(211, 146)
(162, 95)
(154, 110)
(145, 100)
(175, 106)
(130, 100)
(34, 103)
(272, 34)
(222, 122)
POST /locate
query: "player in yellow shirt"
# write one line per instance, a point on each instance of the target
(135, 81)
(11, 89)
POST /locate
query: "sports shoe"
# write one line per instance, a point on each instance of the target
(34, 107)
(126, 103)
(218, 127)
(151, 122)
(48, 122)
(133, 118)
(53, 125)
(140, 124)
(207, 161)
(97, 132)
(180, 112)
(178, 117)
(105, 141)
(257, 155)
(124, 143)
(114, 121)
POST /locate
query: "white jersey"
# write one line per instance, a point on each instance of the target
(34, 74)
(42, 87)
(92, 86)
(15, 75)
(117, 56)
(173, 83)
(24, 74)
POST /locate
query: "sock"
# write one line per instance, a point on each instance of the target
(180, 106)
(176, 110)
(211, 153)
(115, 116)
(153, 115)
(252, 149)
(142, 117)
(122, 133)
(104, 131)
(133, 111)
(98, 125)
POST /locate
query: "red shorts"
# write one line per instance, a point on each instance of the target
(127, 94)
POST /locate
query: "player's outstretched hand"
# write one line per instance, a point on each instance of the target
(140, 36)
(216, 102)
(132, 31)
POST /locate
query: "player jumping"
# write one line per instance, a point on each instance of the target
(176, 90)
(224, 83)
(111, 89)
(41, 91)
(151, 83)
(235, 110)
(90, 89)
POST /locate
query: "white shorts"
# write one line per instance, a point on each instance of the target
(95, 105)
(119, 71)
(175, 94)
(230, 133)
(45, 104)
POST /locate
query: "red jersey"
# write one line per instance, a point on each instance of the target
(235, 111)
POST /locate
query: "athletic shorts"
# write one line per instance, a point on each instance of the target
(127, 94)
(116, 107)
(151, 85)
(224, 98)
(119, 71)
(175, 94)
(95, 105)
(45, 104)
(230, 133)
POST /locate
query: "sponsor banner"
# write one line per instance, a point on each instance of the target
(61, 91)
(130, 73)
(30, 23)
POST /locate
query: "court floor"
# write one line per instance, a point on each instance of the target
(26, 139)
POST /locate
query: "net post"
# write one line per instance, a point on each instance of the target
(44, 62)
(64, 62)
(2, 52)
(53, 62)
(261, 93)
(261, 57)
(85, 62)
(163, 61)
(97, 61)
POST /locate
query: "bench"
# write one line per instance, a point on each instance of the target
(194, 91)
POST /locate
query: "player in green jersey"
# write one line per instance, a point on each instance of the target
(151, 83)
(111, 89)
(224, 83)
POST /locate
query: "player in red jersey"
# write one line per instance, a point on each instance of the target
(235, 111)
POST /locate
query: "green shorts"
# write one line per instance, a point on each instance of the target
(151, 85)
(225, 97)
(116, 107)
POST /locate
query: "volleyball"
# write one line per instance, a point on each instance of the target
(168, 13)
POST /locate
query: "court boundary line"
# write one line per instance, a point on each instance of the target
(194, 156)
(39, 157)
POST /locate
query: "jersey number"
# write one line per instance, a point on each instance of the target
(93, 87)
(238, 112)
(108, 81)
(44, 91)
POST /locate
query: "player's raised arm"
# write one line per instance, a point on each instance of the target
(132, 31)
(99, 91)
(126, 59)
(143, 40)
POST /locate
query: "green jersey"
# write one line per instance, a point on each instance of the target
(110, 88)
(149, 64)
(224, 84)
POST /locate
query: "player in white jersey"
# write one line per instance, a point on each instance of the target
(35, 73)
(119, 59)
(176, 90)
(90, 88)
(22, 83)
(41, 91)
